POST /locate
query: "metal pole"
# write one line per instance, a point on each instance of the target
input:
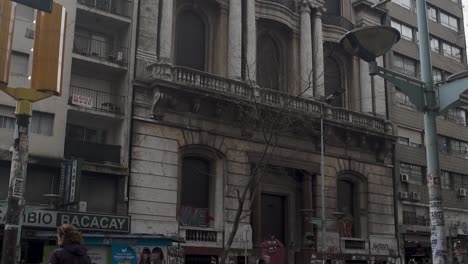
(322, 175)
(19, 164)
(436, 213)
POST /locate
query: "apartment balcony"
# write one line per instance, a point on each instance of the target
(92, 152)
(92, 54)
(229, 89)
(120, 7)
(98, 102)
(337, 21)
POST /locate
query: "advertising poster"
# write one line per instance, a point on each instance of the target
(122, 254)
(98, 255)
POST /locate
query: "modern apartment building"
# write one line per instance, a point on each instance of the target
(88, 122)
(199, 66)
(447, 38)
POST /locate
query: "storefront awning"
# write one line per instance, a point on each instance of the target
(116, 239)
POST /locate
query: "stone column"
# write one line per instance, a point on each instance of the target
(165, 38)
(366, 87)
(251, 37)
(235, 39)
(306, 75)
(319, 69)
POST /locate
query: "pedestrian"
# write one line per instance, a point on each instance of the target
(145, 256)
(71, 249)
(157, 256)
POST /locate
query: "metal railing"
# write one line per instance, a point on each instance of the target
(339, 21)
(201, 235)
(354, 244)
(410, 218)
(224, 86)
(102, 50)
(120, 7)
(92, 152)
(99, 100)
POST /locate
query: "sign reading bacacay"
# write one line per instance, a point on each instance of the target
(83, 221)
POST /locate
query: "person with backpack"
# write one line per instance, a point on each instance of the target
(72, 250)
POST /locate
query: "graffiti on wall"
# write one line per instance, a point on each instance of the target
(198, 217)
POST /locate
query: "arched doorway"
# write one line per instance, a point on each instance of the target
(268, 63)
(190, 41)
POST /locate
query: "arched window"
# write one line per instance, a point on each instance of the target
(333, 81)
(333, 7)
(195, 191)
(347, 206)
(268, 63)
(190, 41)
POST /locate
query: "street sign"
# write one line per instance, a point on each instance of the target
(43, 5)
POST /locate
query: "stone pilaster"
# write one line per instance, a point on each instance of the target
(146, 52)
(251, 51)
(235, 39)
(165, 39)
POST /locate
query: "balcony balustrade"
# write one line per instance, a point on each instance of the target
(243, 91)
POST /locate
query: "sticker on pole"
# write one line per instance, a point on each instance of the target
(18, 187)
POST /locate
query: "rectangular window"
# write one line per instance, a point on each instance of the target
(457, 115)
(451, 51)
(460, 181)
(449, 21)
(403, 100)
(42, 123)
(432, 13)
(446, 181)
(404, 64)
(459, 148)
(415, 173)
(443, 144)
(436, 75)
(80, 133)
(414, 137)
(405, 31)
(435, 45)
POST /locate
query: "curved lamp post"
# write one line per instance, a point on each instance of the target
(369, 43)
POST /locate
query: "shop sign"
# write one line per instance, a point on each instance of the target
(463, 232)
(83, 221)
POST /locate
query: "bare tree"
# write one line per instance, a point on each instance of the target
(270, 115)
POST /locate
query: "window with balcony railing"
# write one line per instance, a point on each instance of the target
(118, 7)
(99, 46)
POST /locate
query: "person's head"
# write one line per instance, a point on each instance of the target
(157, 254)
(68, 234)
(145, 254)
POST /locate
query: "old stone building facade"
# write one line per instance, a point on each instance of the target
(208, 75)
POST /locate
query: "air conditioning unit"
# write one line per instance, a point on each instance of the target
(404, 195)
(119, 56)
(416, 196)
(404, 177)
(461, 192)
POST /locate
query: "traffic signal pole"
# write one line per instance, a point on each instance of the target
(19, 165)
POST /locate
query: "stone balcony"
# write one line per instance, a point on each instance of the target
(233, 90)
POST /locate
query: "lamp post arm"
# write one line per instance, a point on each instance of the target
(450, 93)
(412, 87)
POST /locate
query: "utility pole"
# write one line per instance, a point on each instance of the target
(434, 186)
(46, 81)
(19, 164)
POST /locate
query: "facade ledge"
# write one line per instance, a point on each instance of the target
(97, 11)
(237, 91)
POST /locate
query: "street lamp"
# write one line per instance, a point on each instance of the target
(371, 42)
